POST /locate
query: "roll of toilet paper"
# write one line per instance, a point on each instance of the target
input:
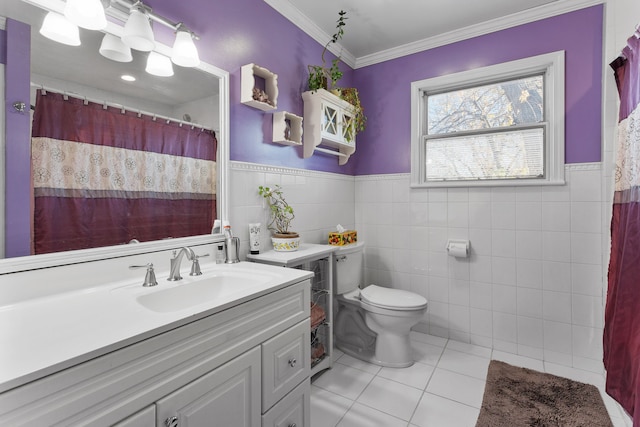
(458, 248)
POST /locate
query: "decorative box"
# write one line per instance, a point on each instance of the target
(345, 238)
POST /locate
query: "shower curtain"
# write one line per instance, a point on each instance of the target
(622, 312)
(105, 176)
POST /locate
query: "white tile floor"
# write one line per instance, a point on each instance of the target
(442, 389)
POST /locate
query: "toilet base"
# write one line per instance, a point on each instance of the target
(368, 355)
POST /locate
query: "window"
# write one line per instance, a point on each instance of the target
(497, 125)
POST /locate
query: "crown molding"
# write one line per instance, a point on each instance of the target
(535, 14)
(285, 8)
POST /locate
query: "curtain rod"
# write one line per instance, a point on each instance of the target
(122, 107)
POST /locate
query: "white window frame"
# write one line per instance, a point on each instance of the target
(550, 64)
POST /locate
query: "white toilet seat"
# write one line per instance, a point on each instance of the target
(392, 299)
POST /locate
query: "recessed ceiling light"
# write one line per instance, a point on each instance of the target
(128, 78)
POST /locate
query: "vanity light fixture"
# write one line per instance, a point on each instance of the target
(87, 14)
(113, 48)
(128, 78)
(58, 28)
(159, 65)
(184, 51)
(138, 34)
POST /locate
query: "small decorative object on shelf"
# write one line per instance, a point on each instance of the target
(281, 216)
(287, 128)
(258, 87)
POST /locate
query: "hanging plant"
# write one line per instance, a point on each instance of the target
(321, 77)
(350, 94)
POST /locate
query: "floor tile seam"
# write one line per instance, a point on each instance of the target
(391, 415)
(468, 353)
(407, 385)
(435, 367)
(360, 369)
(453, 400)
(484, 379)
(353, 402)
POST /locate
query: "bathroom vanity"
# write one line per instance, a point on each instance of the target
(227, 348)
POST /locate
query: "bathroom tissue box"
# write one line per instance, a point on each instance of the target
(345, 238)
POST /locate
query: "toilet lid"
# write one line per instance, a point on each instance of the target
(392, 298)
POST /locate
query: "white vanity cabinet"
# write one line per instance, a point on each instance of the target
(247, 365)
(328, 125)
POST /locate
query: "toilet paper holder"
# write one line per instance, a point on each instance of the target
(458, 248)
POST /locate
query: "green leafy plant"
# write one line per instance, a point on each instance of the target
(320, 77)
(281, 211)
(350, 94)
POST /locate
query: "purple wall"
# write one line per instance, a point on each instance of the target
(18, 169)
(244, 31)
(239, 32)
(385, 146)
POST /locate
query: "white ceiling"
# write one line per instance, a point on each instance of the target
(382, 29)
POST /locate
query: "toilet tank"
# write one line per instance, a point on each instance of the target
(349, 267)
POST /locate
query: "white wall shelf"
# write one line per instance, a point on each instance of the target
(287, 128)
(252, 77)
(328, 122)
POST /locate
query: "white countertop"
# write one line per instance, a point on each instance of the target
(306, 252)
(44, 335)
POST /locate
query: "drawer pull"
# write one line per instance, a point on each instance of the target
(292, 363)
(171, 422)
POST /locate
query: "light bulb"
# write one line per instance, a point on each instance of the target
(113, 48)
(184, 51)
(138, 34)
(87, 14)
(159, 65)
(58, 28)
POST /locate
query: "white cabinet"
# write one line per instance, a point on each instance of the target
(328, 125)
(206, 370)
(319, 260)
(228, 396)
(292, 410)
(144, 418)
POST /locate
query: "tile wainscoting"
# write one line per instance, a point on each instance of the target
(534, 282)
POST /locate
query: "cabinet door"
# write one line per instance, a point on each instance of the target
(292, 410)
(228, 396)
(286, 361)
(330, 121)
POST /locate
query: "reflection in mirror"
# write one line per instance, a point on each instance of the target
(94, 187)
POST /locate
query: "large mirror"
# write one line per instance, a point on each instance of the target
(195, 98)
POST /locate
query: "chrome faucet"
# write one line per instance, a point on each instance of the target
(174, 274)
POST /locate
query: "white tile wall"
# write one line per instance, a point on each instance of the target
(320, 201)
(533, 284)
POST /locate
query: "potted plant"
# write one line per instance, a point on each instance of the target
(281, 216)
(320, 77)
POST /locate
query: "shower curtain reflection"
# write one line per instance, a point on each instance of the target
(104, 176)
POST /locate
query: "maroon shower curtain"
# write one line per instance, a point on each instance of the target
(622, 313)
(104, 176)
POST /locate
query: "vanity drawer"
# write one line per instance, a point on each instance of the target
(293, 410)
(286, 361)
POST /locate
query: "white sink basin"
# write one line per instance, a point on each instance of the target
(192, 292)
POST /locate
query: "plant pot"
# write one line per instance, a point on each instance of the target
(285, 242)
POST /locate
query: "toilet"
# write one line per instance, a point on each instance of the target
(373, 323)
